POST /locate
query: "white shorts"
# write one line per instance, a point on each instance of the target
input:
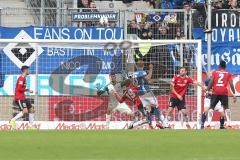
(148, 99)
(121, 107)
(207, 103)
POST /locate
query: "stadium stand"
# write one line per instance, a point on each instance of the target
(14, 13)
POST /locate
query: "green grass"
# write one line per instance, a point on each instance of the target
(120, 145)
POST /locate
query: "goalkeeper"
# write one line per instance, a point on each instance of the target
(113, 104)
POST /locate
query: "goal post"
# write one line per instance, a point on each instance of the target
(53, 98)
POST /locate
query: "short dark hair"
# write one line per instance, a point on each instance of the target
(112, 73)
(24, 68)
(223, 64)
(183, 67)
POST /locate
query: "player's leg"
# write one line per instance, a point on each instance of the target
(181, 105)
(182, 109)
(108, 114)
(125, 109)
(172, 104)
(23, 109)
(213, 102)
(111, 109)
(152, 101)
(31, 112)
(210, 116)
(147, 108)
(224, 101)
(138, 117)
(228, 117)
(108, 118)
(207, 102)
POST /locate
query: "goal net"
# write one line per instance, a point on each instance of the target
(66, 74)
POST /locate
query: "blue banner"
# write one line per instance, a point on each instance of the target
(225, 41)
(60, 60)
(156, 17)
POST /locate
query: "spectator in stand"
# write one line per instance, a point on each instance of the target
(87, 4)
(218, 4)
(187, 6)
(233, 4)
(162, 32)
(83, 3)
(151, 3)
(168, 4)
(133, 27)
(144, 34)
(179, 34)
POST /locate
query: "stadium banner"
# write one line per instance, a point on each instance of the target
(70, 62)
(94, 16)
(225, 39)
(156, 17)
(74, 108)
(99, 125)
(46, 82)
(51, 58)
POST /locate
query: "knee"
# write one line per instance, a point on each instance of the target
(31, 110)
(227, 110)
(222, 114)
(108, 112)
(25, 110)
(206, 109)
(184, 114)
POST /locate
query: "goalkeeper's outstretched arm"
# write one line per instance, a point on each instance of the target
(102, 91)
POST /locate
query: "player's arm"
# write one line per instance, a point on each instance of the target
(150, 71)
(199, 84)
(22, 88)
(172, 89)
(119, 98)
(210, 85)
(102, 91)
(233, 90)
(123, 83)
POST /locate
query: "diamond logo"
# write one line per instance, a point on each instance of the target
(157, 18)
(22, 53)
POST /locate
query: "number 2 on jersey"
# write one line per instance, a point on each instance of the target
(220, 79)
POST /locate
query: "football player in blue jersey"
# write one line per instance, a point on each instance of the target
(147, 97)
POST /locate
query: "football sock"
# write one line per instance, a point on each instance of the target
(157, 113)
(31, 118)
(108, 118)
(228, 116)
(148, 116)
(203, 119)
(221, 121)
(210, 116)
(185, 116)
(19, 115)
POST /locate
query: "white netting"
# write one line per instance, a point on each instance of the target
(66, 73)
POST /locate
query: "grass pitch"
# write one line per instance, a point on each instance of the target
(121, 145)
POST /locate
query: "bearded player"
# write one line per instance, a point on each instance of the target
(131, 95)
(218, 83)
(20, 100)
(179, 87)
(113, 104)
